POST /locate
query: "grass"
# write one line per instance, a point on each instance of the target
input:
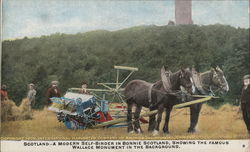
(223, 123)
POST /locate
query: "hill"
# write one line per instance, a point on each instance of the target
(90, 56)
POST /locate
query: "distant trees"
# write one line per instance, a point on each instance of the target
(40, 79)
(91, 56)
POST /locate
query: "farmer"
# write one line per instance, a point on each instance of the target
(245, 101)
(4, 93)
(31, 94)
(84, 88)
(53, 91)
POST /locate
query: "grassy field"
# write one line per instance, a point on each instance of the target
(224, 123)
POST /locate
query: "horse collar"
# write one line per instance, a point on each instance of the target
(167, 85)
(198, 83)
(208, 87)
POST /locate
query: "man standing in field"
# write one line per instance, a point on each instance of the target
(53, 91)
(245, 101)
(4, 93)
(84, 88)
(31, 95)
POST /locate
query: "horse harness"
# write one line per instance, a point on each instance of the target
(167, 86)
(197, 82)
(202, 88)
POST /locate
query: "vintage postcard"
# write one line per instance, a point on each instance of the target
(125, 75)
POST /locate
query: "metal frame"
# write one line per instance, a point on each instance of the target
(109, 87)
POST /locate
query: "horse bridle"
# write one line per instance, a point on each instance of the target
(210, 89)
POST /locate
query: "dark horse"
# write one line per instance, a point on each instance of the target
(207, 83)
(158, 95)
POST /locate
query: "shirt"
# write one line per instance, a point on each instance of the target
(31, 95)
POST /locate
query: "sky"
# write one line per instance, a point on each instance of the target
(34, 18)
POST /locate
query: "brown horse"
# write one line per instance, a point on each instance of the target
(158, 95)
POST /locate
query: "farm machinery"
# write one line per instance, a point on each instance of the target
(81, 111)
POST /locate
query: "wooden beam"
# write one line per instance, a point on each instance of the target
(108, 83)
(192, 102)
(117, 79)
(97, 90)
(125, 79)
(126, 68)
(202, 96)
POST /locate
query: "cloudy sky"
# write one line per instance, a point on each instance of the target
(34, 18)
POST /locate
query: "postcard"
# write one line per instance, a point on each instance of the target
(125, 75)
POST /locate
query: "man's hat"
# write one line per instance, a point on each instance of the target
(84, 82)
(246, 77)
(4, 86)
(31, 84)
(54, 82)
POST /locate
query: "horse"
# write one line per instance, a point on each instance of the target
(155, 96)
(205, 83)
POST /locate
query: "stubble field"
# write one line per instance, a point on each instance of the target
(223, 123)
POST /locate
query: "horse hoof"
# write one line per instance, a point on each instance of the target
(131, 132)
(150, 130)
(191, 131)
(155, 132)
(166, 132)
(138, 131)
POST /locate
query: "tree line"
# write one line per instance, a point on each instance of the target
(90, 56)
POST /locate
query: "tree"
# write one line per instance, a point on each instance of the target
(41, 82)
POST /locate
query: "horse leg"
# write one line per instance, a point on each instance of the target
(129, 117)
(165, 128)
(152, 122)
(137, 126)
(195, 111)
(159, 117)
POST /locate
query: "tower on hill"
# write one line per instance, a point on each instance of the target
(183, 12)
